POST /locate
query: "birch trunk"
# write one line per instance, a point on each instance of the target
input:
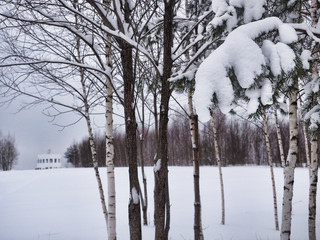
(217, 156)
(88, 121)
(313, 187)
(282, 159)
(290, 164)
(313, 166)
(93, 149)
(96, 170)
(275, 204)
(198, 233)
(110, 167)
(112, 234)
(306, 145)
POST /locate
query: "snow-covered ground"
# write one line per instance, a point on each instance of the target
(64, 204)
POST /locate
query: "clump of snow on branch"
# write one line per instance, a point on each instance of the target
(244, 56)
(305, 58)
(287, 34)
(272, 57)
(314, 117)
(264, 93)
(287, 57)
(279, 56)
(225, 11)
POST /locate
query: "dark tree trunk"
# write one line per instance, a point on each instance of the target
(131, 141)
(161, 189)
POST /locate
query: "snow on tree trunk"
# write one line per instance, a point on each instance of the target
(282, 159)
(275, 204)
(198, 233)
(217, 156)
(290, 164)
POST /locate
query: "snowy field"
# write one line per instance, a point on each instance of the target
(64, 204)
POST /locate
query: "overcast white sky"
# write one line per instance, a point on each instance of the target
(35, 134)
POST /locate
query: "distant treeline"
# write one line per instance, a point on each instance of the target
(240, 142)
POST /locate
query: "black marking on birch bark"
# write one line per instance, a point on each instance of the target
(293, 138)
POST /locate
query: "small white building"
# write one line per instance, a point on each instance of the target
(49, 161)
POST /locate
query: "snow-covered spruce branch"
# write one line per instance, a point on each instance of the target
(241, 53)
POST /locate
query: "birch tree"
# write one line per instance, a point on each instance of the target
(194, 10)
(60, 46)
(314, 165)
(279, 138)
(311, 104)
(194, 129)
(275, 204)
(112, 233)
(290, 163)
(217, 156)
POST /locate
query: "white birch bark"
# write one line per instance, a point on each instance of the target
(313, 166)
(313, 187)
(279, 138)
(96, 169)
(217, 156)
(196, 171)
(290, 165)
(275, 204)
(110, 166)
(306, 145)
(112, 230)
(93, 149)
